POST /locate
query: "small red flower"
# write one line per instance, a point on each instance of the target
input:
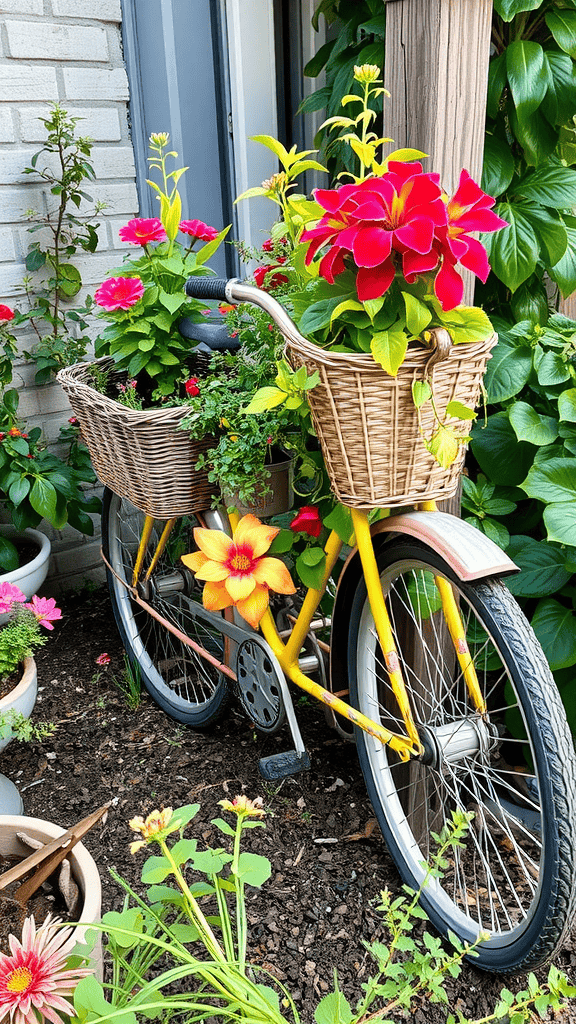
(103, 659)
(6, 314)
(266, 282)
(73, 421)
(307, 520)
(225, 307)
(14, 432)
(198, 229)
(268, 245)
(25, 436)
(2, 435)
(143, 230)
(192, 388)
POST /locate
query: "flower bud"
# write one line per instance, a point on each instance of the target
(366, 73)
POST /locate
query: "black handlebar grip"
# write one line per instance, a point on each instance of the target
(206, 288)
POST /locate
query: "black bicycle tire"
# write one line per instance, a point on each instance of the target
(199, 715)
(535, 940)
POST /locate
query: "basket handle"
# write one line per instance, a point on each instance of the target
(441, 347)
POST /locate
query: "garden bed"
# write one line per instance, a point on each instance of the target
(328, 860)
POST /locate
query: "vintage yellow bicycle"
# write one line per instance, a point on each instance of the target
(429, 658)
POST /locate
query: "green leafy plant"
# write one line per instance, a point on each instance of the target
(144, 299)
(64, 167)
(129, 682)
(194, 916)
(21, 635)
(528, 156)
(15, 725)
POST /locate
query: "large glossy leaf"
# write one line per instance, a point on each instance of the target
(567, 405)
(496, 83)
(503, 458)
(507, 371)
(43, 499)
(552, 369)
(498, 169)
(512, 252)
(555, 627)
(542, 565)
(564, 272)
(507, 9)
(552, 481)
(559, 103)
(562, 25)
(560, 522)
(531, 426)
(550, 230)
(553, 186)
(536, 135)
(527, 76)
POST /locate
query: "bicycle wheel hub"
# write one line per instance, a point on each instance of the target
(455, 741)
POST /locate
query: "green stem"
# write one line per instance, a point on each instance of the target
(206, 933)
(241, 936)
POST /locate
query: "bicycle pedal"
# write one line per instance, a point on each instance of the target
(278, 766)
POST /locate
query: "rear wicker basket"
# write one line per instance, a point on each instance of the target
(368, 426)
(140, 455)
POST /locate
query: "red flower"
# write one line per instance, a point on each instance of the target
(198, 229)
(268, 283)
(225, 307)
(307, 520)
(119, 293)
(399, 212)
(192, 388)
(143, 230)
(14, 432)
(268, 245)
(6, 314)
(73, 421)
(103, 659)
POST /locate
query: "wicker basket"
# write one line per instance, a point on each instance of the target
(368, 426)
(140, 455)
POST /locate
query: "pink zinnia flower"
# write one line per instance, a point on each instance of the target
(142, 230)
(119, 293)
(34, 979)
(8, 595)
(198, 229)
(103, 659)
(6, 314)
(45, 610)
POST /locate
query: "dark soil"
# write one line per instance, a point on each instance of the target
(328, 859)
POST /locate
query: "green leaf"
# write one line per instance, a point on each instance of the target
(507, 371)
(282, 543)
(43, 498)
(500, 455)
(277, 148)
(560, 100)
(564, 272)
(507, 9)
(444, 446)
(318, 314)
(340, 520)
(253, 869)
(155, 869)
(421, 392)
(542, 565)
(567, 405)
(555, 627)
(311, 575)
(171, 302)
(264, 399)
(498, 167)
(527, 76)
(208, 250)
(550, 231)
(496, 84)
(342, 307)
(531, 426)
(460, 411)
(553, 369)
(552, 481)
(333, 1009)
(512, 252)
(560, 522)
(418, 316)
(389, 348)
(19, 490)
(8, 555)
(548, 186)
(466, 324)
(562, 25)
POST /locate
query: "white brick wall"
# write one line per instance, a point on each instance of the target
(67, 51)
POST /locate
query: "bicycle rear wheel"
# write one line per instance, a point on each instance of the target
(514, 768)
(185, 685)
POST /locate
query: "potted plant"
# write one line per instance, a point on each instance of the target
(400, 360)
(19, 638)
(128, 401)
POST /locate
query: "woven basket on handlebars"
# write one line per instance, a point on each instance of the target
(368, 426)
(140, 455)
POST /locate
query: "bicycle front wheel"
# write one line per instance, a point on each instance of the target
(185, 685)
(513, 768)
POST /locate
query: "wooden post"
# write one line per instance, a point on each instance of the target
(436, 69)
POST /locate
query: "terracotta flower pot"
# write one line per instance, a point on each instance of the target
(84, 870)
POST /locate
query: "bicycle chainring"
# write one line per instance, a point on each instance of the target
(258, 686)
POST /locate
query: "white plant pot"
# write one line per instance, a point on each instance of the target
(84, 870)
(22, 698)
(31, 576)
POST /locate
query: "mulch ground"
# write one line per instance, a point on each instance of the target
(328, 859)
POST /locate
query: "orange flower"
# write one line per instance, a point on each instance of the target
(234, 570)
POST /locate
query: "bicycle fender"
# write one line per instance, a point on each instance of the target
(469, 553)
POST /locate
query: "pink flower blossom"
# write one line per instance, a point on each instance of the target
(143, 230)
(103, 659)
(268, 245)
(45, 610)
(266, 282)
(119, 293)
(9, 594)
(198, 229)
(34, 979)
(73, 421)
(192, 388)
(6, 314)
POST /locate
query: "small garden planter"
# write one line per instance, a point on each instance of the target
(30, 576)
(276, 496)
(367, 423)
(21, 698)
(141, 455)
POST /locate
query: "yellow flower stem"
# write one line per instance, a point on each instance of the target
(208, 937)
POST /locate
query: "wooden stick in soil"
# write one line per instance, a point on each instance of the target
(47, 859)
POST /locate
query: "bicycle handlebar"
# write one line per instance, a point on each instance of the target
(235, 291)
(206, 288)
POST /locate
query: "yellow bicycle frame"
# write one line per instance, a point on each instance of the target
(288, 652)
